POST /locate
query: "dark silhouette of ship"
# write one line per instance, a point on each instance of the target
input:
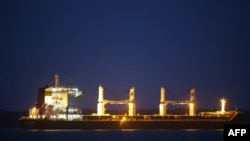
(56, 108)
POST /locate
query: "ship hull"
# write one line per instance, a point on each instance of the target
(49, 124)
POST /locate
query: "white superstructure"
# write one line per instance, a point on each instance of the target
(59, 103)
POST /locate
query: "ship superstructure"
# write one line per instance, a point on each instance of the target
(58, 103)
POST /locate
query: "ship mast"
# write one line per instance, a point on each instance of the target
(56, 80)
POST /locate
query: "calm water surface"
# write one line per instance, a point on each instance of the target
(110, 135)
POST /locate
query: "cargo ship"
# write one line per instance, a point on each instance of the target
(56, 108)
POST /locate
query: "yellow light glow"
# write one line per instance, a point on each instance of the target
(162, 110)
(223, 103)
(191, 109)
(53, 89)
(48, 99)
(33, 112)
(131, 109)
(124, 119)
(100, 109)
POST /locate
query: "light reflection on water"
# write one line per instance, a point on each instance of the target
(129, 130)
(109, 135)
(54, 130)
(202, 130)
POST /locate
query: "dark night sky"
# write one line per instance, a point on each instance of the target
(146, 44)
